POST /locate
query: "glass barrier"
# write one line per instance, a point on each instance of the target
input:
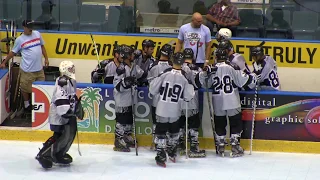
(280, 19)
(277, 19)
(70, 15)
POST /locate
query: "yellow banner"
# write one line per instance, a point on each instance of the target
(79, 46)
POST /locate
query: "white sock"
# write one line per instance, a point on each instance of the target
(26, 104)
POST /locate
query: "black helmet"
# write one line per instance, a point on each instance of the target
(225, 44)
(221, 54)
(178, 58)
(148, 43)
(126, 51)
(256, 51)
(166, 50)
(188, 53)
(116, 49)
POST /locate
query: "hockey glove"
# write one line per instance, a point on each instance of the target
(129, 81)
(192, 66)
(100, 72)
(79, 109)
(210, 69)
(121, 69)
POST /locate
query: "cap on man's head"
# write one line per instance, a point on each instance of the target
(27, 24)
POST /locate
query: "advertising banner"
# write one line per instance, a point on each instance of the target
(282, 116)
(79, 46)
(250, 1)
(279, 115)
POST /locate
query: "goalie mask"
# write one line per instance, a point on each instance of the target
(67, 68)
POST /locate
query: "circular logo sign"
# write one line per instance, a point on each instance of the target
(41, 105)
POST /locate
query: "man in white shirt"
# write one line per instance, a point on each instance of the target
(31, 46)
(196, 36)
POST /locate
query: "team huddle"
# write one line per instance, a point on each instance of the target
(173, 80)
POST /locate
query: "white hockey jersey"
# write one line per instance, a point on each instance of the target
(173, 88)
(123, 96)
(191, 75)
(63, 100)
(225, 83)
(156, 69)
(267, 70)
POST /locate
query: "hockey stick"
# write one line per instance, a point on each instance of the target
(97, 53)
(78, 142)
(211, 114)
(134, 114)
(186, 130)
(254, 105)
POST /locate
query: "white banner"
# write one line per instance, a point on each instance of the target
(250, 1)
(160, 30)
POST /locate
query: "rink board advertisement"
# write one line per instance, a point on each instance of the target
(282, 116)
(279, 115)
(80, 47)
(99, 107)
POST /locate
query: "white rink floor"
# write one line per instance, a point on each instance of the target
(99, 162)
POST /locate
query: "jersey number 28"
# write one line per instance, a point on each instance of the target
(225, 84)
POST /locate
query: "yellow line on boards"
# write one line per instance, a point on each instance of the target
(145, 140)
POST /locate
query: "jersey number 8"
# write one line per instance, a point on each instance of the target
(273, 79)
(225, 84)
(171, 93)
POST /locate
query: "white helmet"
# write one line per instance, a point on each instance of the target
(224, 33)
(67, 68)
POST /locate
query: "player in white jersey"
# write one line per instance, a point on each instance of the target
(105, 71)
(62, 118)
(157, 68)
(266, 69)
(125, 80)
(173, 88)
(191, 70)
(144, 58)
(224, 81)
(234, 57)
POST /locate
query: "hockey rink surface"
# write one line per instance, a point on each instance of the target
(100, 162)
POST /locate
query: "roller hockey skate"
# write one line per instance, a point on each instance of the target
(63, 159)
(220, 145)
(120, 145)
(195, 152)
(172, 153)
(161, 158)
(236, 149)
(129, 140)
(220, 150)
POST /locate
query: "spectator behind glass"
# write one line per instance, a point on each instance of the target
(164, 7)
(279, 22)
(46, 15)
(223, 15)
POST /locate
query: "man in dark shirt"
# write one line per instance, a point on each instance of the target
(223, 15)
